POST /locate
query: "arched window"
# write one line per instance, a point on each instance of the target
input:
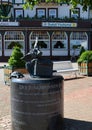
(11, 38)
(59, 40)
(43, 39)
(79, 39)
(59, 43)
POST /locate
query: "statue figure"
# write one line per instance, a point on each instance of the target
(36, 65)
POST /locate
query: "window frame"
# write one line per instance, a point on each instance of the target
(75, 13)
(13, 36)
(37, 15)
(52, 9)
(15, 9)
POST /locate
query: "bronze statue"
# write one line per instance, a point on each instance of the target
(36, 65)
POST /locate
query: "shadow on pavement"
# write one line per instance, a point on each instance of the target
(71, 124)
(70, 78)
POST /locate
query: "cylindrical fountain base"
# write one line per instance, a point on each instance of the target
(37, 103)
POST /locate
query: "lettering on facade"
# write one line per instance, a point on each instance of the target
(57, 24)
(9, 23)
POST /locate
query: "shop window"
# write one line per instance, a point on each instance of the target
(52, 12)
(41, 13)
(75, 13)
(14, 37)
(41, 44)
(79, 35)
(59, 40)
(78, 39)
(19, 13)
(43, 39)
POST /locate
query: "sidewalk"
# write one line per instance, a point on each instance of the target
(77, 104)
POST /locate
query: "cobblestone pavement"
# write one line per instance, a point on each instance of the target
(77, 104)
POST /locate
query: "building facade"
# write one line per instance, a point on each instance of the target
(60, 30)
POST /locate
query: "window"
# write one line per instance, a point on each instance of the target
(43, 39)
(78, 36)
(52, 12)
(13, 36)
(19, 13)
(75, 13)
(59, 40)
(41, 12)
(79, 39)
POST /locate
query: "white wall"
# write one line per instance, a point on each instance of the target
(84, 14)
(18, 1)
(63, 10)
(29, 12)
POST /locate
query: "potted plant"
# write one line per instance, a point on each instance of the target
(15, 64)
(85, 63)
(41, 44)
(59, 44)
(13, 43)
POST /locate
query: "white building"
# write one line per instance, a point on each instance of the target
(58, 28)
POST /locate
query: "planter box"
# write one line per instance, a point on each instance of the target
(85, 68)
(8, 70)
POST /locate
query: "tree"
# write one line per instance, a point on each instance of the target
(15, 58)
(5, 9)
(74, 3)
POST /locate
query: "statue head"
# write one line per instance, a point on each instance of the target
(35, 53)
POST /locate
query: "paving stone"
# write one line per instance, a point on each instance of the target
(77, 104)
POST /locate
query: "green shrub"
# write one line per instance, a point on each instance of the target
(15, 58)
(85, 57)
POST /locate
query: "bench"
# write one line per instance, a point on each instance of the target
(64, 67)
